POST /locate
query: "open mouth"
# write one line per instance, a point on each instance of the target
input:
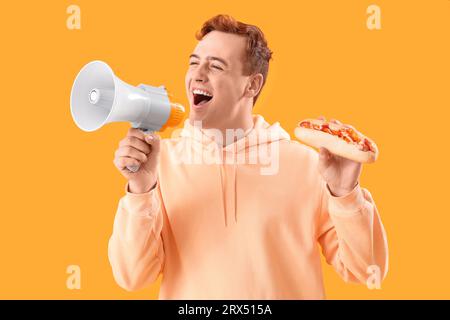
(201, 97)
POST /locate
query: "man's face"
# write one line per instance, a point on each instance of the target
(215, 80)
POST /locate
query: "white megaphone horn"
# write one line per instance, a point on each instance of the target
(98, 97)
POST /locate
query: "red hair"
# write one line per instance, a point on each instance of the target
(258, 53)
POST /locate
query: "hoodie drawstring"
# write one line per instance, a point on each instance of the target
(221, 168)
(235, 192)
(225, 194)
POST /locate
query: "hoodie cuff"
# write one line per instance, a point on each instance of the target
(141, 204)
(348, 204)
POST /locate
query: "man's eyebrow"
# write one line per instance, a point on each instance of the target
(210, 58)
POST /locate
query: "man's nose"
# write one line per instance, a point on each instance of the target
(200, 75)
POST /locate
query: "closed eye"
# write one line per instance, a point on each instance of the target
(217, 67)
(192, 63)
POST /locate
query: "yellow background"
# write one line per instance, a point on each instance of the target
(60, 190)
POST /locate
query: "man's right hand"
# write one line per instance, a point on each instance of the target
(138, 149)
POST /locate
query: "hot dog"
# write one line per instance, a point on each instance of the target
(341, 139)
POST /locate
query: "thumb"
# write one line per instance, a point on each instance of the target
(324, 161)
(323, 152)
(324, 155)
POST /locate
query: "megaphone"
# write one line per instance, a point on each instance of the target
(99, 97)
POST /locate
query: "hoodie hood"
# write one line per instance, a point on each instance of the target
(210, 144)
(261, 133)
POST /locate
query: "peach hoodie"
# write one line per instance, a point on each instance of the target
(232, 231)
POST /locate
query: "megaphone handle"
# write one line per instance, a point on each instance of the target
(136, 168)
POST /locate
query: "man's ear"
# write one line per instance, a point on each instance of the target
(254, 85)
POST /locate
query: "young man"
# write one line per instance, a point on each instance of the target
(229, 229)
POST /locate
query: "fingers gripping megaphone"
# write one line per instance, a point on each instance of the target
(99, 97)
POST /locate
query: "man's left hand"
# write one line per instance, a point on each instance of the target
(341, 174)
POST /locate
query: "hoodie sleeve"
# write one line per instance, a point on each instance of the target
(135, 249)
(352, 236)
